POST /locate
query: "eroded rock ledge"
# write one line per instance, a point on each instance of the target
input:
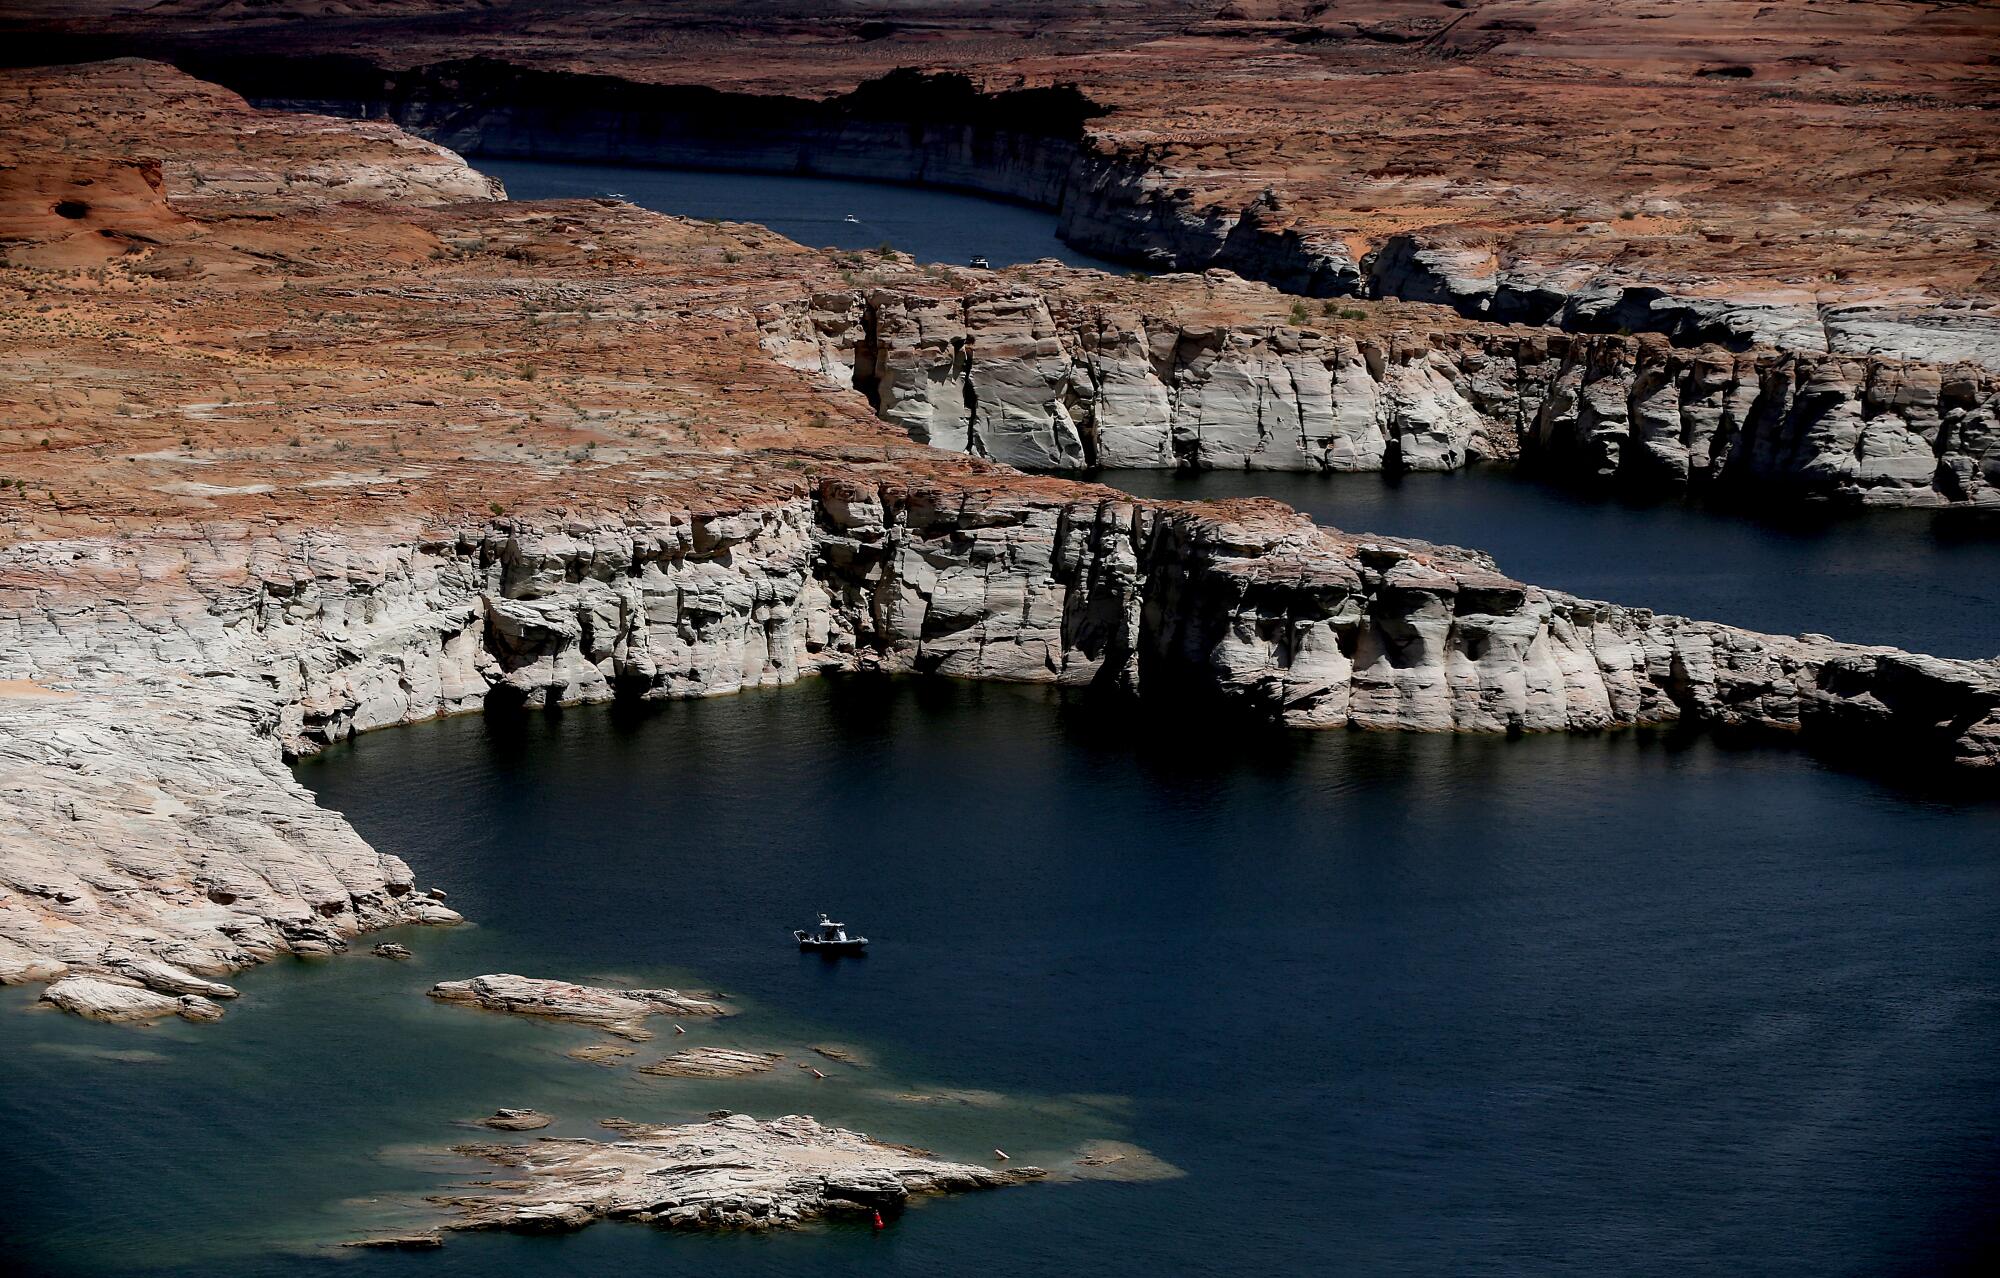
(1070, 373)
(151, 814)
(728, 1173)
(1130, 197)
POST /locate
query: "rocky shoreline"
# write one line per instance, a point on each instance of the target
(1068, 371)
(622, 1013)
(310, 465)
(1592, 382)
(1249, 607)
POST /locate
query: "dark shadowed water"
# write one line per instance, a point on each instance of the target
(1403, 1004)
(933, 226)
(1928, 581)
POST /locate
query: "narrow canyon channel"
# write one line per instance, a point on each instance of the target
(931, 225)
(1640, 1002)
(1926, 581)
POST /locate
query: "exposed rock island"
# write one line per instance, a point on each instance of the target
(289, 460)
(620, 1012)
(727, 1173)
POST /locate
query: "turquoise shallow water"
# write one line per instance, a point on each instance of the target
(1630, 1003)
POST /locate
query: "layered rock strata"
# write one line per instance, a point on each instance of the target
(144, 851)
(1120, 192)
(620, 1012)
(208, 855)
(1064, 374)
(728, 1173)
(713, 1062)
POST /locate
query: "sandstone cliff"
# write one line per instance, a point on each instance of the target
(1124, 194)
(153, 833)
(1061, 373)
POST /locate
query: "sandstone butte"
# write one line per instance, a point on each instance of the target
(306, 434)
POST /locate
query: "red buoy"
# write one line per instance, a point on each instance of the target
(878, 1220)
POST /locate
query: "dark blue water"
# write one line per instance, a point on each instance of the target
(1928, 581)
(1630, 1004)
(934, 226)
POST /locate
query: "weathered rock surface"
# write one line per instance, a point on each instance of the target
(391, 950)
(399, 1242)
(161, 860)
(1070, 372)
(620, 1012)
(101, 999)
(1775, 172)
(730, 1173)
(713, 1062)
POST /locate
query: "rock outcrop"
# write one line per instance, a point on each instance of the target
(620, 1012)
(510, 1119)
(100, 999)
(1248, 606)
(713, 1062)
(729, 1173)
(153, 859)
(1457, 176)
(1056, 375)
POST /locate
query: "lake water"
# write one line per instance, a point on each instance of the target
(1639, 1003)
(1928, 581)
(934, 226)
(1632, 1003)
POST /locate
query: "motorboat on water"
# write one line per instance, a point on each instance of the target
(829, 937)
(851, 218)
(981, 264)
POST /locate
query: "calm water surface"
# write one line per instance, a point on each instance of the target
(1632, 1004)
(1928, 581)
(934, 226)
(1395, 1004)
